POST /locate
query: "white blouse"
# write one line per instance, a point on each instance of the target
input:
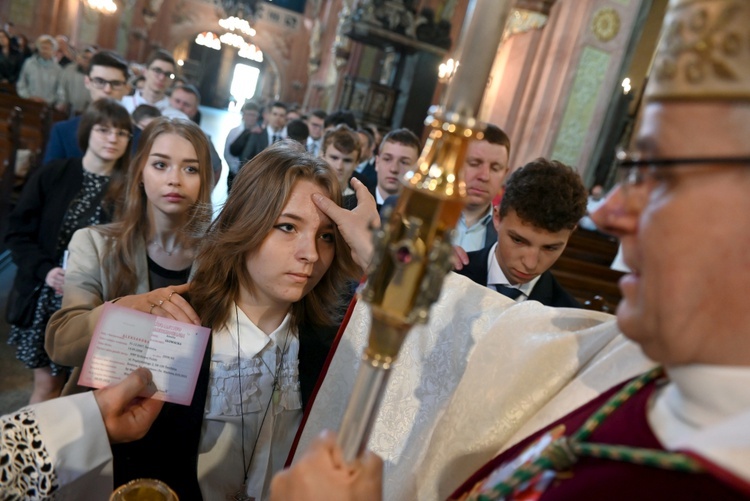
(270, 421)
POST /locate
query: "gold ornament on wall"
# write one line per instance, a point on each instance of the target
(606, 24)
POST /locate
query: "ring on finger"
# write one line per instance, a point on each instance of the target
(161, 302)
(169, 298)
(150, 310)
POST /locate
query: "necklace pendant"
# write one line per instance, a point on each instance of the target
(276, 396)
(240, 495)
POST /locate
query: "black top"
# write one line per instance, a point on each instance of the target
(10, 66)
(159, 277)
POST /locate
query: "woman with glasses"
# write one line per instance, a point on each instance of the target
(57, 200)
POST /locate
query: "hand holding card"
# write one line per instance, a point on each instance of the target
(125, 339)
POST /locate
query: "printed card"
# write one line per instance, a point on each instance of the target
(125, 339)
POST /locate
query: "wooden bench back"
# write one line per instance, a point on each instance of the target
(10, 130)
(584, 270)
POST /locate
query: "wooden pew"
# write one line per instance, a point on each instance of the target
(10, 129)
(8, 88)
(583, 270)
(36, 123)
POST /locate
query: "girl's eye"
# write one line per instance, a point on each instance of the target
(159, 165)
(285, 227)
(328, 237)
(192, 169)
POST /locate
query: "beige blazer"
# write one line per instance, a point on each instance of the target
(86, 289)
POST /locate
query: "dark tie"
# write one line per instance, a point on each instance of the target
(511, 292)
(276, 138)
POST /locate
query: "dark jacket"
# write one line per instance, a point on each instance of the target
(35, 223)
(169, 451)
(10, 66)
(256, 142)
(547, 291)
(368, 176)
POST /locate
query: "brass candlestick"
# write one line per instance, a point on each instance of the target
(413, 249)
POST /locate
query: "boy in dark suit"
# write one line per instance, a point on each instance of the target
(542, 204)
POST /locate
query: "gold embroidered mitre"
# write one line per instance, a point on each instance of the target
(703, 53)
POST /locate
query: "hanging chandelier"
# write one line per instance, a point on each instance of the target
(213, 41)
(236, 24)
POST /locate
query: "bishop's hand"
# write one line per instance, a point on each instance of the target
(321, 474)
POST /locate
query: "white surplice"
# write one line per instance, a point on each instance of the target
(482, 374)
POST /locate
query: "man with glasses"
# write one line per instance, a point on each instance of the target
(680, 430)
(159, 75)
(107, 77)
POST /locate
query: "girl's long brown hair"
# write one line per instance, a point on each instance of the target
(259, 193)
(131, 226)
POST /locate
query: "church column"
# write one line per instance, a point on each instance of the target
(558, 106)
(511, 84)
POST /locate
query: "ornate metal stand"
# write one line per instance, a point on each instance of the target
(413, 250)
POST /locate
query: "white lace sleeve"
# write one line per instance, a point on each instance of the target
(55, 450)
(26, 471)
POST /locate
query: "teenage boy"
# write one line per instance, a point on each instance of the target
(542, 203)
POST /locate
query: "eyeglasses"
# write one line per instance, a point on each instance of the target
(627, 160)
(100, 83)
(107, 131)
(160, 72)
(641, 172)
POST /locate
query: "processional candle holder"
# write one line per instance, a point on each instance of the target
(413, 247)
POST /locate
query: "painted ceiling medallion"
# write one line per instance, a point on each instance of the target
(606, 24)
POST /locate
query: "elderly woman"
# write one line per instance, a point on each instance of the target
(40, 73)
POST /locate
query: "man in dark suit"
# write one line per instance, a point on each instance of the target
(274, 131)
(541, 206)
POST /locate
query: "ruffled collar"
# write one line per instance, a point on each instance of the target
(252, 340)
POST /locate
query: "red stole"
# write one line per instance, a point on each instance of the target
(616, 480)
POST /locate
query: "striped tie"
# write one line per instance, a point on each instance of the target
(510, 292)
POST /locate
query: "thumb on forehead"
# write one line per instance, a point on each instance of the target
(328, 207)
